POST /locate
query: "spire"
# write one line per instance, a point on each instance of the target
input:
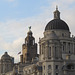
(56, 7)
(56, 13)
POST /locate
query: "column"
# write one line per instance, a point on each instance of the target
(46, 52)
(66, 47)
(53, 52)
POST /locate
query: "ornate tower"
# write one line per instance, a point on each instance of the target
(29, 49)
(6, 63)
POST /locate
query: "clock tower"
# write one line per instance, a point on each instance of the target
(29, 48)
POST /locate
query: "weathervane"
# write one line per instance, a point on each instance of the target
(29, 28)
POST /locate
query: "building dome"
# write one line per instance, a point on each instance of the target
(56, 23)
(5, 56)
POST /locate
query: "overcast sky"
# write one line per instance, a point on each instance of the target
(17, 15)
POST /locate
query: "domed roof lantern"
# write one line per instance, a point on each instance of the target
(56, 13)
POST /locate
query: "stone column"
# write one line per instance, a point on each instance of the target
(53, 52)
(62, 46)
(66, 47)
(46, 52)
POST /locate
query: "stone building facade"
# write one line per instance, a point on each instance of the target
(56, 52)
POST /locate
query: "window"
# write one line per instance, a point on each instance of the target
(49, 66)
(25, 72)
(50, 52)
(56, 53)
(70, 66)
(49, 73)
(64, 46)
(68, 47)
(29, 71)
(56, 73)
(69, 51)
(56, 66)
(40, 49)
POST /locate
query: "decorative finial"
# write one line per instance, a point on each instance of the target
(56, 7)
(56, 13)
(29, 28)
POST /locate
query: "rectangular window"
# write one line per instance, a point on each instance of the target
(56, 66)
(56, 53)
(50, 52)
(49, 67)
(68, 47)
(56, 73)
(64, 46)
(49, 73)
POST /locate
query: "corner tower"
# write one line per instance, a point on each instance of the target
(57, 48)
(29, 49)
(6, 64)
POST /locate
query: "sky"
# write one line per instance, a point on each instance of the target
(17, 15)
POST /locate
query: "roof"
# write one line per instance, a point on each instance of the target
(5, 56)
(56, 24)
